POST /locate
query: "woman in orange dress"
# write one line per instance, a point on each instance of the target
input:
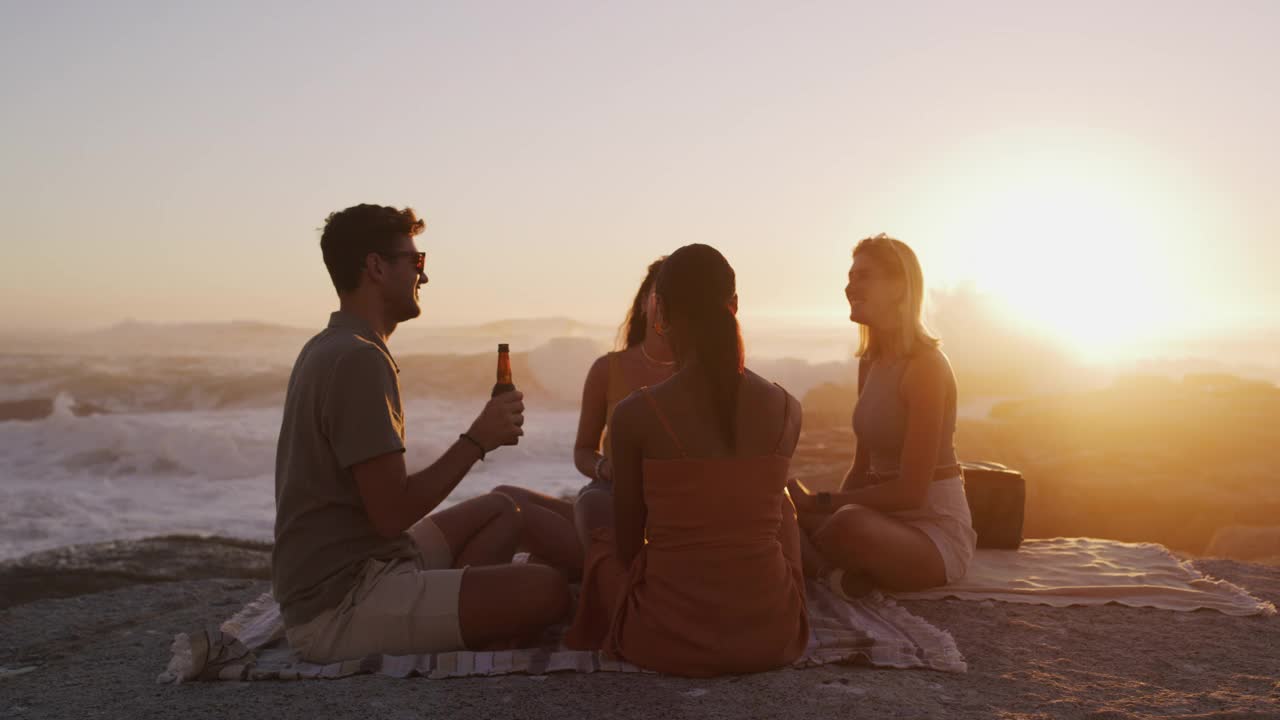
(699, 572)
(556, 529)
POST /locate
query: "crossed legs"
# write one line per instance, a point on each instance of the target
(862, 541)
(483, 533)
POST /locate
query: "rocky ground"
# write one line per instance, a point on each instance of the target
(84, 632)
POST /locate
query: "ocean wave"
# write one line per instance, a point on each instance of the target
(214, 445)
(96, 448)
(66, 479)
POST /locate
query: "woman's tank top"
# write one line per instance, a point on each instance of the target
(880, 418)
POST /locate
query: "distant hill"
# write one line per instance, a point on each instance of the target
(281, 342)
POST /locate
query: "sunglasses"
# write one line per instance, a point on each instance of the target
(420, 258)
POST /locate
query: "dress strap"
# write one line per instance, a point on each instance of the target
(786, 410)
(663, 419)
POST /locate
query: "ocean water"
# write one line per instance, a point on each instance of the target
(188, 446)
(172, 429)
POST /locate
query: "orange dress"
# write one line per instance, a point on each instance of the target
(712, 590)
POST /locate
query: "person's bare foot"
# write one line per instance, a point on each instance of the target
(850, 584)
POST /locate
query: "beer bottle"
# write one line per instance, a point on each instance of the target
(504, 384)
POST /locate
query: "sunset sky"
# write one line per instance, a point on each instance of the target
(1111, 171)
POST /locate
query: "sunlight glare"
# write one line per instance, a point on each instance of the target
(1077, 246)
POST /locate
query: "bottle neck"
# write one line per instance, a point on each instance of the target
(504, 368)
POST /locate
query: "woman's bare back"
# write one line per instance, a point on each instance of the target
(767, 420)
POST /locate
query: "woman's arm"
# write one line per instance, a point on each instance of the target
(857, 474)
(789, 528)
(629, 511)
(789, 534)
(591, 421)
(924, 389)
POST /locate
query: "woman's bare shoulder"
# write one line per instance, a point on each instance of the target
(630, 410)
(764, 386)
(599, 370)
(776, 415)
(928, 367)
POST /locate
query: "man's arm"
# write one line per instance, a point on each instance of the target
(395, 500)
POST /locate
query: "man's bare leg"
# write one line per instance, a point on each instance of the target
(548, 535)
(527, 498)
(482, 530)
(498, 601)
(509, 602)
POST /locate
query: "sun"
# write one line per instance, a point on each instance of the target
(1077, 245)
(1076, 261)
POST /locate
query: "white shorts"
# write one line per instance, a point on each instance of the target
(397, 607)
(946, 520)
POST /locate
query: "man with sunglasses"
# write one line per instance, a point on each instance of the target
(362, 565)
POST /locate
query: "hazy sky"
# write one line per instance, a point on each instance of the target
(1111, 168)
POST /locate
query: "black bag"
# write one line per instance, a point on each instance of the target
(997, 501)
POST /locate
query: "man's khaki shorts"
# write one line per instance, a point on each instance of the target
(397, 607)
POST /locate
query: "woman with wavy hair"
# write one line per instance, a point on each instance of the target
(698, 571)
(557, 528)
(900, 520)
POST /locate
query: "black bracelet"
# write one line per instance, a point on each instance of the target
(475, 442)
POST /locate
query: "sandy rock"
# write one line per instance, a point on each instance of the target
(97, 655)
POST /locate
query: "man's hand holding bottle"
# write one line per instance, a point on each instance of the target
(501, 422)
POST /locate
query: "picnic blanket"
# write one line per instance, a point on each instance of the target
(873, 630)
(1092, 571)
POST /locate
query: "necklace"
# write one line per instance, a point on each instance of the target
(649, 357)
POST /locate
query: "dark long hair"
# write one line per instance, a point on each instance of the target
(695, 287)
(637, 322)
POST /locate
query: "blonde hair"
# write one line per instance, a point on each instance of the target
(911, 334)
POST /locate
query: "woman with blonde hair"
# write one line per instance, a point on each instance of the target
(900, 520)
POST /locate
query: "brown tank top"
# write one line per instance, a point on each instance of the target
(880, 418)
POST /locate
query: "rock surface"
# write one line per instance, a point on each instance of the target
(97, 654)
